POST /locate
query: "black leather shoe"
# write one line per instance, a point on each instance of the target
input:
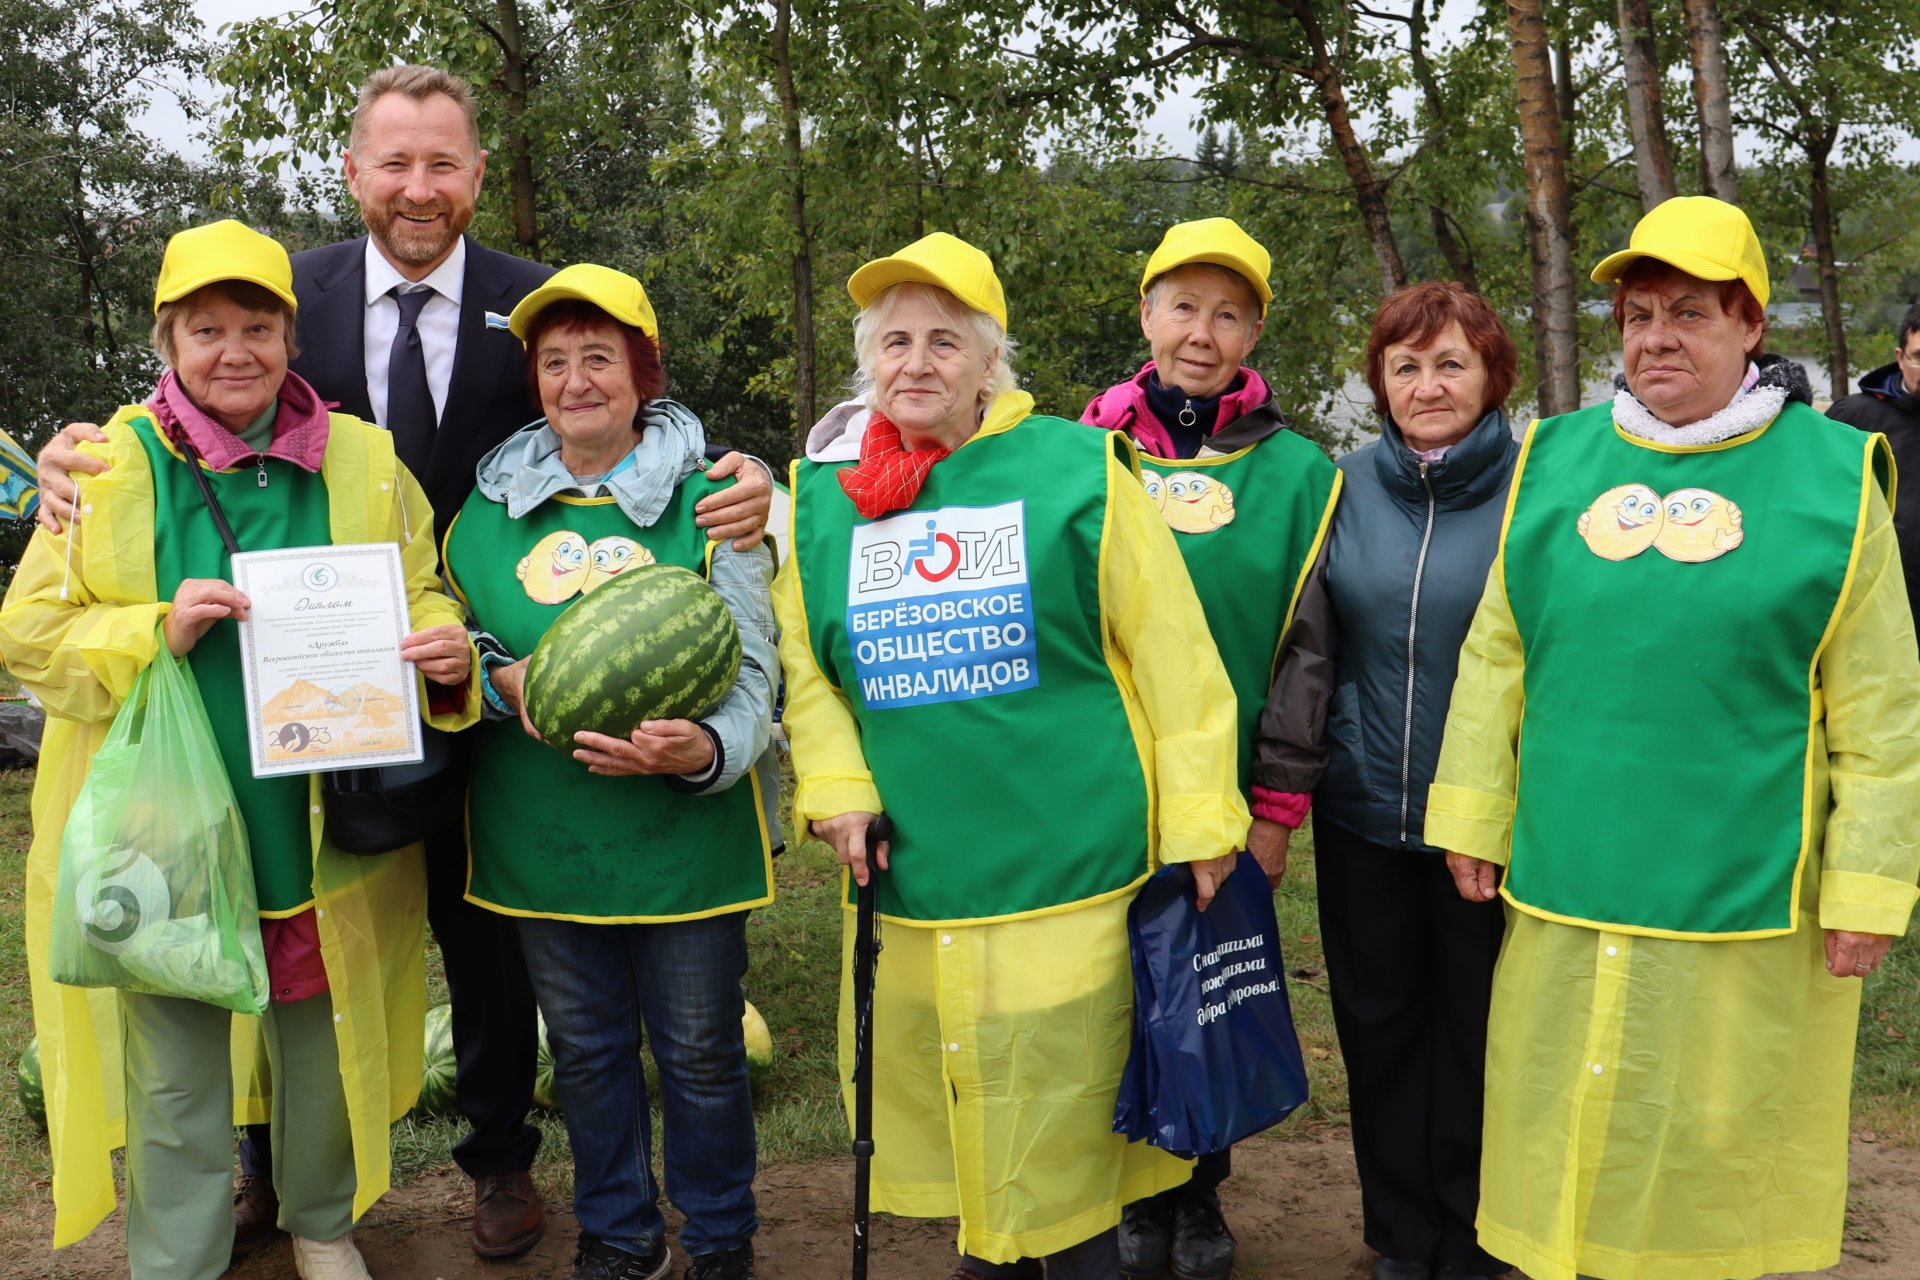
(1146, 1233)
(1385, 1268)
(1202, 1247)
(596, 1260)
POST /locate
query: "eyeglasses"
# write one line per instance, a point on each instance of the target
(1911, 357)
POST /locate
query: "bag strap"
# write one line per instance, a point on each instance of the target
(206, 494)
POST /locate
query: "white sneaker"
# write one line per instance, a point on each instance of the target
(329, 1259)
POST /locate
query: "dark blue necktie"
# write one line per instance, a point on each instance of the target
(410, 413)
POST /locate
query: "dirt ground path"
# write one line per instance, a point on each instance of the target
(1293, 1203)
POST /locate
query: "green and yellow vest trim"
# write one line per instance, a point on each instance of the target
(1249, 524)
(546, 838)
(1673, 604)
(291, 510)
(968, 637)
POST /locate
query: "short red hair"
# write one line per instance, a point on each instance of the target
(1735, 297)
(573, 315)
(1417, 314)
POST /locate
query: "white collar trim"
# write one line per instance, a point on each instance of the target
(447, 279)
(1748, 411)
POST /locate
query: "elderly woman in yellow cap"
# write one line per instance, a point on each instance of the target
(142, 576)
(1684, 726)
(1249, 502)
(630, 863)
(989, 636)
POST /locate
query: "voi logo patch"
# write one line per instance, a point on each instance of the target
(939, 607)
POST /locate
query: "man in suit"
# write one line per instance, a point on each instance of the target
(406, 327)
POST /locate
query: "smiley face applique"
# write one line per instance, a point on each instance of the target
(555, 570)
(1191, 502)
(611, 556)
(1699, 525)
(1688, 525)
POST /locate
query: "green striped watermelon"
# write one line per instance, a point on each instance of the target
(654, 643)
(436, 1077)
(545, 1096)
(33, 1095)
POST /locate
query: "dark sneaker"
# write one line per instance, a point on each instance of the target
(729, 1264)
(1146, 1232)
(1202, 1247)
(597, 1260)
(1385, 1268)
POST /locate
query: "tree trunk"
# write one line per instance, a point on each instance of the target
(1549, 233)
(517, 80)
(1368, 191)
(804, 359)
(1819, 147)
(1652, 160)
(1458, 255)
(1707, 49)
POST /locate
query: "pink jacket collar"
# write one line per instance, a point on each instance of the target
(299, 432)
(1123, 407)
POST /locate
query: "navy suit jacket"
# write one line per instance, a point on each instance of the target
(487, 398)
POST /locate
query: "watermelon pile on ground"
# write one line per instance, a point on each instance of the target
(544, 1095)
(436, 1075)
(655, 643)
(26, 1079)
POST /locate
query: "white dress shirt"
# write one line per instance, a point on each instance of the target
(439, 324)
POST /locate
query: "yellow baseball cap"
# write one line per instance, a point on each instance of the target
(224, 250)
(1704, 237)
(614, 292)
(941, 260)
(1219, 241)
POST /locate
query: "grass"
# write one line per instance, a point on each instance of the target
(793, 979)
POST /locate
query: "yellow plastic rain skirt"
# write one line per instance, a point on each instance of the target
(1660, 1109)
(998, 1052)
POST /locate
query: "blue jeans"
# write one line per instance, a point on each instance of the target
(597, 984)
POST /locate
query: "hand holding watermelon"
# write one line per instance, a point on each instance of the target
(678, 747)
(654, 644)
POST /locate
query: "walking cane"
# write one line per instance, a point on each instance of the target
(865, 952)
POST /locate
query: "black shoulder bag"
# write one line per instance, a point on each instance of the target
(385, 807)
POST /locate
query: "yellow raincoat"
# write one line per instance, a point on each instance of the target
(958, 1034)
(81, 656)
(1659, 1108)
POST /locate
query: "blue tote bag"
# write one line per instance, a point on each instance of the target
(1215, 1058)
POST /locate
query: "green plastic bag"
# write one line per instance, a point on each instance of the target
(156, 889)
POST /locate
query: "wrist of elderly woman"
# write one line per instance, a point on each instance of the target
(1288, 808)
(701, 779)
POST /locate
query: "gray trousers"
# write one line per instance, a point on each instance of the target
(180, 1131)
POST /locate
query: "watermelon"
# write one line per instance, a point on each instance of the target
(436, 1076)
(759, 1045)
(26, 1077)
(545, 1096)
(654, 643)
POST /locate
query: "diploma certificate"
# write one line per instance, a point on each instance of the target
(325, 685)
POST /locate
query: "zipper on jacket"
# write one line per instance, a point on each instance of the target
(260, 459)
(1413, 626)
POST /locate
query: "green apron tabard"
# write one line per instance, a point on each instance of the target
(966, 634)
(1249, 525)
(545, 837)
(291, 511)
(1672, 604)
